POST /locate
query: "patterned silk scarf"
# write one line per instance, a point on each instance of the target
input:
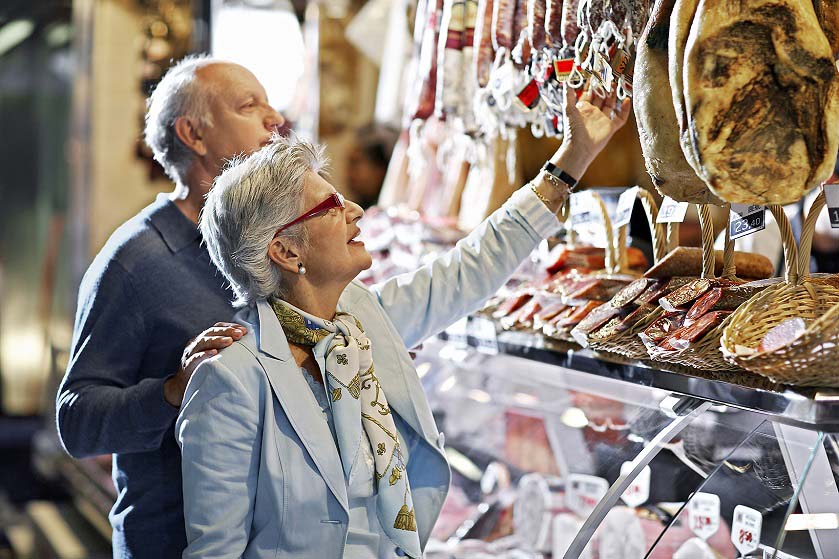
(358, 402)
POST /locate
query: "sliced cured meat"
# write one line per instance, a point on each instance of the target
(632, 318)
(762, 98)
(597, 318)
(512, 304)
(687, 261)
(599, 290)
(702, 326)
(549, 311)
(661, 288)
(631, 292)
(704, 304)
(783, 334)
(524, 315)
(685, 295)
(722, 299)
(636, 259)
(578, 313)
(663, 327)
(607, 330)
(656, 117)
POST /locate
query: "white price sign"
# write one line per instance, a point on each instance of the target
(639, 490)
(831, 195)
(584, 492)
(746, 219)
(456, 333)
(704, 515)
(483, 331)
(745, 529)
(583, 208)
(626, 202)
(671, 211)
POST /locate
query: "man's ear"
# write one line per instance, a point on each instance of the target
(284, 254)
(191, 135)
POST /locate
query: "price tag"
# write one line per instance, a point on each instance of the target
(502, 80)
(746, 219)
(831, 194)
(745, 529)
(456, 333)
(639, 491)
(672, 211)
(704, 515)
(483, 333)
(583, 208)
(584, 492)
(626, 202)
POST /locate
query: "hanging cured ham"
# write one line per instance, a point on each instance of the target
(654, 113)
(762, 99)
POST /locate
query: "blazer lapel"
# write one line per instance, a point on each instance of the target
(291, 390)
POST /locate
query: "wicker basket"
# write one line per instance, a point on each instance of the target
(627, 343)
(811, 359)
(705, 353)
(614, 259)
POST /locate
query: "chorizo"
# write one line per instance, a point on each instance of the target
(536, 29)
(503, 14)
(483, 53)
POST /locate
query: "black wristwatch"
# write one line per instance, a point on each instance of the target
(558, 173)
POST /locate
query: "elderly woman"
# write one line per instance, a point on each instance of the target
(311, 435)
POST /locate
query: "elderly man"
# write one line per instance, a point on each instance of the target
(150, 290)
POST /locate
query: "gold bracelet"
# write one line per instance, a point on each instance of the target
(556, 183)
(540, 195)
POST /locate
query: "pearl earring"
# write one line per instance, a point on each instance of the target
(301, 269)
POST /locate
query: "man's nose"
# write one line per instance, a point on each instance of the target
(274, 120)
(354, 211)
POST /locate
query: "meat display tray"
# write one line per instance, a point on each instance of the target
(814, 409)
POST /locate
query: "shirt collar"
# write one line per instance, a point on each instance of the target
(176, 229)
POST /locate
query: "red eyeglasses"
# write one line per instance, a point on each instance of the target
(335, 200)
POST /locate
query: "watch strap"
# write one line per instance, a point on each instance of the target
(560, 174)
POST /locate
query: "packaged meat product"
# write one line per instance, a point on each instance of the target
(686, 335)
(512, 304)
(596, 318)
(632, 318)
(631, 292)
(722, 299)
(655, 115)
(549, 311)
(578, 313)
(783, 334)
(684, 295)
(762, 96)
(661, 288)
(503, 14)
(483, 53)
(687, 261)
(421, 103)
(598, 290)
(524, 315)
(663, 327)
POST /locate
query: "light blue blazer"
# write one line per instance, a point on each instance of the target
(261, 472)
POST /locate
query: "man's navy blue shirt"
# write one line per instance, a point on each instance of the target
(149, 291)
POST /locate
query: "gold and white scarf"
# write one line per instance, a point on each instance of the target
(358, 402)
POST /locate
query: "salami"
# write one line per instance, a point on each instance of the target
(663, 327)
(483, 53)
(423, 101)
(467, 81)
(570, 27)
(519, 19)
(783, 334)
(449, 59)
(536, 23)
(702, 326)
(722, 299)
(632, 318)
(631, 292)
(503, 14)
(553, 23)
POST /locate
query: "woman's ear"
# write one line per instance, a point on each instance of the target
(190, 135)
(284, 254)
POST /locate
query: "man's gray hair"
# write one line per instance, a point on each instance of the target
(179, 94)
(249, 201)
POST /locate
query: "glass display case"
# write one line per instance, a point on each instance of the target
(569, 454)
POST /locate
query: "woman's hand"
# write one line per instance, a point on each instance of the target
(589, 124)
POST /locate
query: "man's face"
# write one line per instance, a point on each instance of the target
(242, 119)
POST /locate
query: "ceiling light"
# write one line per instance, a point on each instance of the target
(14, 33)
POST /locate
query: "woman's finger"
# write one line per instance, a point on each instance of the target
(211, 342)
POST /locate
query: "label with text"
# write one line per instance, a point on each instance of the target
(704, 515)
(745, 529)
(583, 208)
(672, 211)
(584, 492)
(746, 219)
(483, 333)
(626, 202)
(639, 490)
(831, 195)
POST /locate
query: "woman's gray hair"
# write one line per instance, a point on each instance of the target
(249, 201)
(179, 94)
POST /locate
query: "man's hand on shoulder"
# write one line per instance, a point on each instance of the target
(207, 344)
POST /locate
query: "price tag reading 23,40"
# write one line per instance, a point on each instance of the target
(746, 219)
(704, 515)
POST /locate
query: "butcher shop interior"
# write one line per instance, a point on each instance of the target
(650, 372)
